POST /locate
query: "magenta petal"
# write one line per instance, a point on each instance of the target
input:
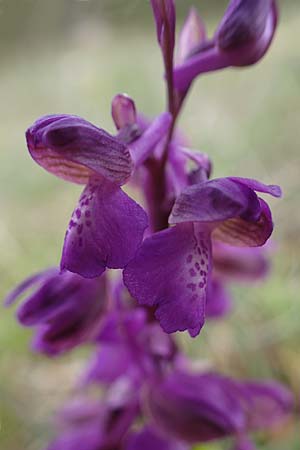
(244, 233)
(170, 272)
(215, 201)
(270, 403)
(271, 189)
(74, 149)
(28, 283)
(108, 364)
(196, 407)
(105, 230)
(247, 29)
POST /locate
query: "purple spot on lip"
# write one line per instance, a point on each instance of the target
(88, 223)
(201, 285)
(87, 213)
(197, 266)
(189, 259)
(202, 262)
(80, 228)
(78, 213)
(191, 286)
(72, 224)
(192, 272)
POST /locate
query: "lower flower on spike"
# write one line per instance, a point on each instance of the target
(171, 270)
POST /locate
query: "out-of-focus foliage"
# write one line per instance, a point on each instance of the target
(73, 56)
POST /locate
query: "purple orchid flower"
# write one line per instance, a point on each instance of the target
(107, 225)
(242, 38)
(65, 309)
(130, 345)
(240, 264)
(208, 406)
(218, 299)
(92, 425)
(171, 269)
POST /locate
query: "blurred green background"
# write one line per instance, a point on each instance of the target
(72, 57)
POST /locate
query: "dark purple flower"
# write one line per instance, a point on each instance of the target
(130, 346)
(239, 263)
(203, 407)
(107, 225)
(91, 425)
(65, 309)
(218, 300)
(196, 408)
(242, 38)
(150, 439)
(171, 269)
(270, 403)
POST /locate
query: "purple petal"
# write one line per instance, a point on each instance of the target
(123, 111)
(270, 404)
(271, 189)
(244, 233)
(88, 438)
(29, 282)
(242, 39)
(215, 201)
(149, 439)
(192, 35)
(247, 22)
(170, 272)
(74, 149)
(141, 148)
(54, 294)
(66, 317)
(110, 363)
(196, 408)
(239, 263)
(105, 230)
(218, 302)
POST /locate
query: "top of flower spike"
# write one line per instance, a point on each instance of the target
(165, 18)
(242, 38)
(74, 149)
(244, 21)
